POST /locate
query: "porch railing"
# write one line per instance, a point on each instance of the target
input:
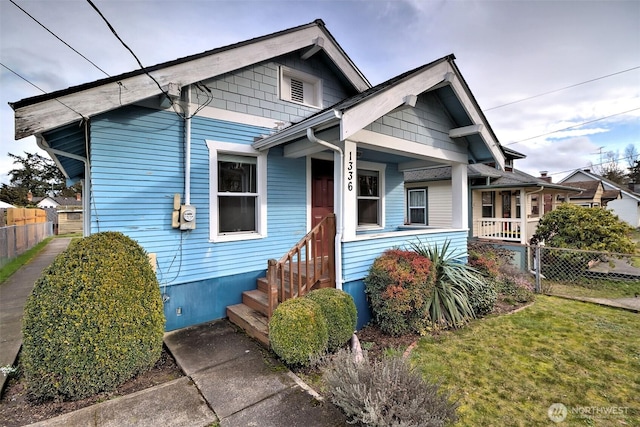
(499, 228)
(311, 260)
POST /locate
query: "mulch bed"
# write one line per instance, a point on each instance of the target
(17, 410)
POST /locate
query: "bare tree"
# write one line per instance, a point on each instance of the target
(631, 155)
(610, 168)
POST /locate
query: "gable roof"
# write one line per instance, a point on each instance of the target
(354, 113)
(607, 183)
(60, 201)
(45, 112)
(499, 179)
(589, 188)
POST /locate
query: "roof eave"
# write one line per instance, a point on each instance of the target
(318, 122)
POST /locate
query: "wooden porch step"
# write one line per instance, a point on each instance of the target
(255, 324)
(257, 300)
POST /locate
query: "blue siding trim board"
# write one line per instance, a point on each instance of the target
(205, 300)
(356, 290)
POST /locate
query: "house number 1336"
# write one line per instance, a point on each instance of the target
(350, 173)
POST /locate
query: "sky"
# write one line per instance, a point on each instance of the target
(587, 53)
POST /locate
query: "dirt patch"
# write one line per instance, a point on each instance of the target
(17, 410)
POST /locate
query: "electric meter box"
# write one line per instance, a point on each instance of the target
(187, 217)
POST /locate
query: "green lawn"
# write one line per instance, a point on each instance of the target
(508, 370)
(13, 265)
(603, 289)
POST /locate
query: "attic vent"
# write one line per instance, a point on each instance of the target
(297, 90)
(299, 87)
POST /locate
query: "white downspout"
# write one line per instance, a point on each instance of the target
(187, 148)
(86, 198)
(338, 202)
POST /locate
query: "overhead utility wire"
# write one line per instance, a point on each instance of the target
(571, 127)
(561, 89)
(133, 54)
(54, 35)
(42, 90)
(592, 165)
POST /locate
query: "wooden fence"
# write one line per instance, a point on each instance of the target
(25, 228)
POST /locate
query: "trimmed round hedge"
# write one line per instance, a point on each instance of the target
(93, 320)
(298, 331)
(340, 311)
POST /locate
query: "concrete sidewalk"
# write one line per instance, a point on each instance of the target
(230, 379)
(13, 295)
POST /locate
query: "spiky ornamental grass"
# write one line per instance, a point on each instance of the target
(448, 304)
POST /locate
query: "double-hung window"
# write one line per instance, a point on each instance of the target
(417, 206)
(370, 195)
(238, 192)
(488, 198)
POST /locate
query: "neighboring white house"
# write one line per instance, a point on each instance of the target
(5, 205)
(627, 207)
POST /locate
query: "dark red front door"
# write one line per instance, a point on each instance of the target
(321, 190)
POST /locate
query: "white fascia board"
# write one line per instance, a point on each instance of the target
(390, 144)
(476, 118)
(319, 122)
(362, 114)
(53, 113)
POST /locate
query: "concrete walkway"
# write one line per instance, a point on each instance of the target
(13, 295)
(230, 378)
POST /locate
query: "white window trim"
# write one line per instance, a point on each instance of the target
(426, 205)
(380, 168)
(216, 147)
(316, 82)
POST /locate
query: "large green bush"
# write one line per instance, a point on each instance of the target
(340, 311)
(93, 320)
(579, 227)
(386, 392)
(298, 331)
(398, 287)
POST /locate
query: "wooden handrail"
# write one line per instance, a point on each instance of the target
(295, 274)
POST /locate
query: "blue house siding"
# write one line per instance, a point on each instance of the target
(358, 256)
(426, 123)
(254, 90)
(138, 165)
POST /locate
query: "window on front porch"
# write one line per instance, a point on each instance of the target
(488, 204)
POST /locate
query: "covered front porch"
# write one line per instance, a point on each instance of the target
(512, 214)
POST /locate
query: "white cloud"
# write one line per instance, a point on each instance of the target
(506, 51)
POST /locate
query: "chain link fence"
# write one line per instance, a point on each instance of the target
(585, 274)
(602, 277)
(17, 239)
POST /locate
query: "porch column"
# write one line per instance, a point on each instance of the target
(349, 190)
(459, 196)
(524, 206)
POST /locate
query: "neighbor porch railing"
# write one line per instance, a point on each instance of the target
(500, 228)
(310, 261)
